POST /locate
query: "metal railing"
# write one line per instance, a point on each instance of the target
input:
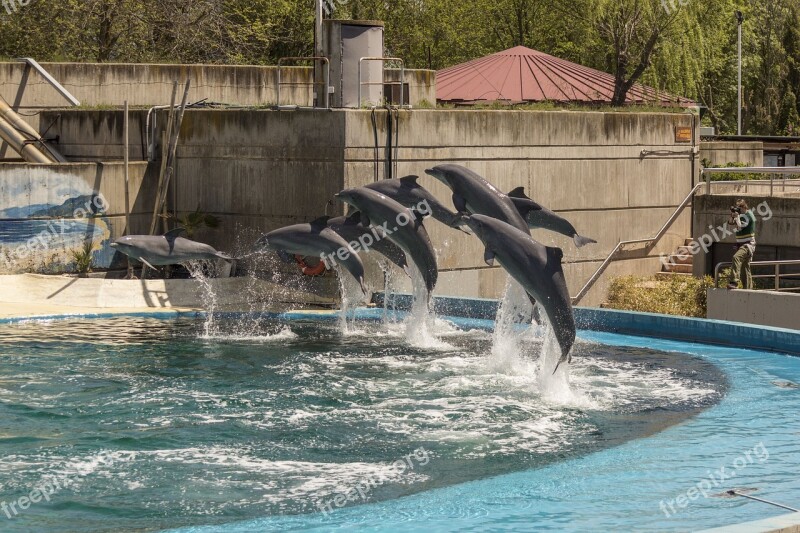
(776, 275)
(650, 242)
(326, 83)
(50, 79)
(383, 77)
(772, 171)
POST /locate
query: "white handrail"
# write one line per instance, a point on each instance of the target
(650, 240)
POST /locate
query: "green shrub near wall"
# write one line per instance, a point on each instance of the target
(679, 295)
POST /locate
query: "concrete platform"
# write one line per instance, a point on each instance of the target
(31, 295)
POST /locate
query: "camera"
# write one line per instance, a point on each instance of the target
(737, 210)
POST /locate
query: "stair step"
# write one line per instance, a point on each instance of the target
(681, 269)
(680, 259)
(687, 242)
(684, 250)
(672, 275)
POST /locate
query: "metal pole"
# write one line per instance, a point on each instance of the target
(321, 99)
(778, 277)
(126, 150)
(739, 19)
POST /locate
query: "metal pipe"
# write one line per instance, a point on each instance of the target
(46, 75)
(26, 129)
(20, 144)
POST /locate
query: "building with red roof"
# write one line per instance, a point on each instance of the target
(520, 75)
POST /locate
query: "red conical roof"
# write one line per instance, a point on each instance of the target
(520, 74)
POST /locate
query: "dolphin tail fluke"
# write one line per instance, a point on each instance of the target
(363, 287)
(582, 241)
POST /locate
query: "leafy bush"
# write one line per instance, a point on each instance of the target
(679, 295)
(83, 257)
(731, 176)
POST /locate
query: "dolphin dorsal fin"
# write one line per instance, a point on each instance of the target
(409, 180)
(173, 234)
(519, 192)
(320, 222)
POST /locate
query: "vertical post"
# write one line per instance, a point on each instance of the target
(739, 19)
(322, 97)
(126, 150)
(777, 277)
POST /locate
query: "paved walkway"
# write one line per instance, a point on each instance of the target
(32, 310)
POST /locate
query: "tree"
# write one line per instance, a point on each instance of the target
(633, 30)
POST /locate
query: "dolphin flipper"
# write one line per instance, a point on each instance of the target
(224, 256)
(459, 203)
(582, 241)
(488, 257)
(144, 262)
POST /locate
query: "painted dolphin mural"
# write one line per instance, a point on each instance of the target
(407, 192)
(351, 230)
(538, 216)
(315, 239)
(167, 249)
(473, 194)
(400, 225)
(536, 267)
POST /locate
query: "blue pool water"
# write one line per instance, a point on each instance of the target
(146, 424)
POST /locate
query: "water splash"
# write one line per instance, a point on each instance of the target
(352, 297)
(512, 327)
(521, 346)
(201, 271)
(421, 323)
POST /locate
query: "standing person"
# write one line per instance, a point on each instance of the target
(745, 221)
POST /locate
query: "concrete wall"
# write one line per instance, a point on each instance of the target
(587, 166)
(96, 84)
(47, 212)
(766, 308)
(259, 170)
(720, 153)
(777, 235)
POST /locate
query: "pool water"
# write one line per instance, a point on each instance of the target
(143, 423)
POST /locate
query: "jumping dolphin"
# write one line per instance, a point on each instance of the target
(400, 225)
(351, 230)
(473, 194)
(536, 267)
(407, 192)
(167, 249)
(315, 239)
(538, 216)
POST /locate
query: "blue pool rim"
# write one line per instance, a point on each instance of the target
(481, 312)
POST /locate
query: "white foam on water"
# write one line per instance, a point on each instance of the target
(284, 334)
(195, 268)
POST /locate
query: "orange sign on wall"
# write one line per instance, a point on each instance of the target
(683, 134)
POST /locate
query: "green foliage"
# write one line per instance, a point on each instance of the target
(682, 47)
(196, 220)
(83, 257)
(732, 176)
(678, 295)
